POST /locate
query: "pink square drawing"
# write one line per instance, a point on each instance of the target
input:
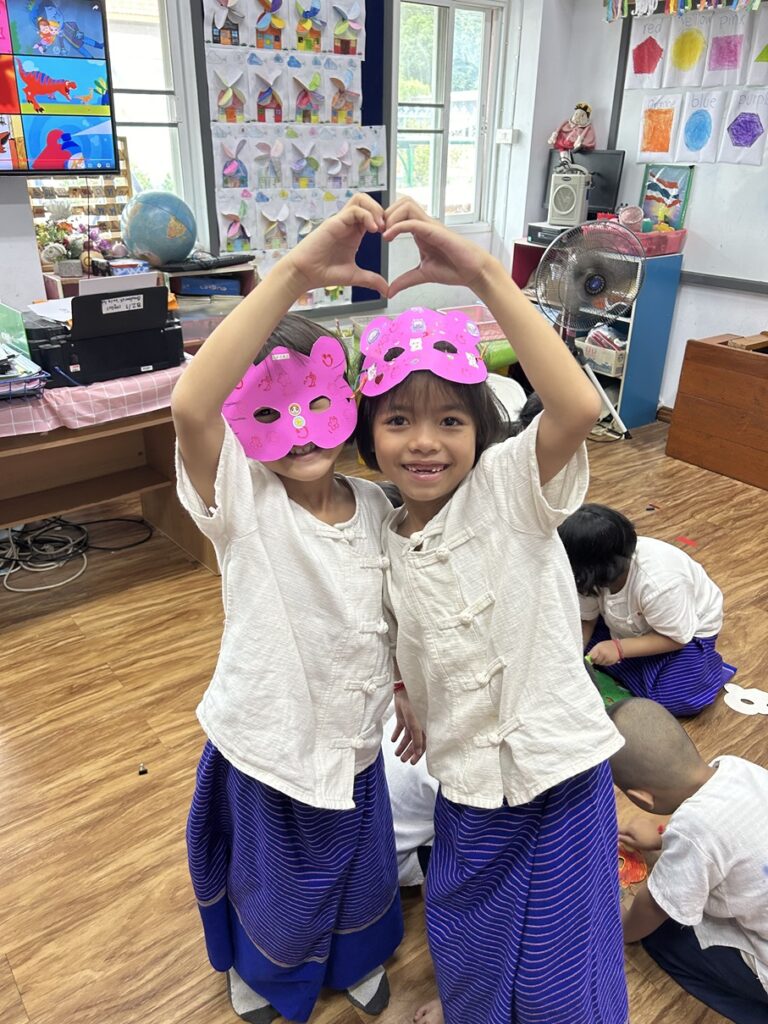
(725, 53)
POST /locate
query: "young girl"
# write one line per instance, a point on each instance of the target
(522, 889)
(650, 614)
(290, 832)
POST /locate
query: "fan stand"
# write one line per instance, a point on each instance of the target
(622, 431)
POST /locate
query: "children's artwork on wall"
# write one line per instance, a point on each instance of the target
(309, 25)
(687, 50)
(371, 158)
(267, 87)
(269, 25)
(309, 101)
(657, 126)
(349, 28)
(729, 45)
(230, 155)
(701, 121)
(337, 158)
(307, 210)
(743, 139)
(225, 22)
(273, 216)
(304, 162)
(227, 84)
(647, 47)
(235, 230)
(665, 194)
(269, 162)
(757, 67)
(345, 90)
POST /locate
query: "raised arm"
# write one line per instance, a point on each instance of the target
(325, 257)
(571, 405)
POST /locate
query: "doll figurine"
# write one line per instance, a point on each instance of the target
(577, 132)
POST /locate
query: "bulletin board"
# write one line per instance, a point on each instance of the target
(295, 111)
(692, 90)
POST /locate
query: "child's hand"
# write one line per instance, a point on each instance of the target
(445, 257)
(641, 834)
(326, 257)
(605, 653)
(413, 742)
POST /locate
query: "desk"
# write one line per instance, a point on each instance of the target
(46, 474)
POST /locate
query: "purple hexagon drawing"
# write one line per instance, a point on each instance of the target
(745, 129)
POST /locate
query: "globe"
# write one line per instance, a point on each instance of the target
(158, 227)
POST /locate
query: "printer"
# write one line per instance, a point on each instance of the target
(112, 335)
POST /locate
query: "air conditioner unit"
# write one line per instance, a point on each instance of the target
(568, 197)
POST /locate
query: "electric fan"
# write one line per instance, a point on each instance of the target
(590, 275)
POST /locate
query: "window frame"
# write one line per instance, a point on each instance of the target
(493, 33)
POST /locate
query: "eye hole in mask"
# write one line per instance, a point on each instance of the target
(445, 346)
(320, 404)
(266, 415)
(393, 353)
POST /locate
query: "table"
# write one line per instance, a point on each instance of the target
(76, 447)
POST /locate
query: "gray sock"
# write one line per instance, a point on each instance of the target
(243, 998)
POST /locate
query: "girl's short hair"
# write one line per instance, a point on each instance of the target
(477, 400)
(600, 543)
(298, 333)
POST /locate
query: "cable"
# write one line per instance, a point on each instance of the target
(123, 547)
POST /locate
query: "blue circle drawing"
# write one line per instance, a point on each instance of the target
(698, 130)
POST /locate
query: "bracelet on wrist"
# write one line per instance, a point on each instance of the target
(619, 648)
(398, 686)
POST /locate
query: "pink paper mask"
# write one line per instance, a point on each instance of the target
(289, 383)
(419, 339)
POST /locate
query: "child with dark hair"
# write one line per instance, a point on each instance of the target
(703, 912)
(522, 897)
(289, 836)
(650, 613)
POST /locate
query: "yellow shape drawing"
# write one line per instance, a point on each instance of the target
(688, 49)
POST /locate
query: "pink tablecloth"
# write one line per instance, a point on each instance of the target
(88, 406)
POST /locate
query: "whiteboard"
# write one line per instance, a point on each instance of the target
(727, 216)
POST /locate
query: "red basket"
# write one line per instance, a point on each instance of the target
(661, 243)
(482, 316)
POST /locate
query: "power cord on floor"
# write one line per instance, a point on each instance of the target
(52, 543)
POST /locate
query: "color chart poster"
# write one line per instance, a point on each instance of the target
(701, 124)
(658, 124)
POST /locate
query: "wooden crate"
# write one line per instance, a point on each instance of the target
(720, 419)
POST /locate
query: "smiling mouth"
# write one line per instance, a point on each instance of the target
(300, 450)
(425, 469)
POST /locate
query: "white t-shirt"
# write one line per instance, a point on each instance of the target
(666, 592)
(304, 674)
(488, 634)
(412, 793)
(713, 869)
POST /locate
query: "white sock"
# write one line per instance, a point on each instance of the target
(244, 999)
(365, 989)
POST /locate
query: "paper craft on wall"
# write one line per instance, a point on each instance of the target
(307, 210)
(227, 84)
(269, 25)
(743, 140)
(304, 163)
(657, 126)
(337, 160)
(308, 26)
(349, 28)
(267, 88)
(665, 194)
(345, 91)
(687, 50)
(729, 43)
(268, 158)
(272, 227)
(308, 102)
(230, 155)
(232, 206)
(757, 68)
(371, 155)
(647, 47)
(701, 122)
(226, 22)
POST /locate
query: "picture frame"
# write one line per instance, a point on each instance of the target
(665, 193)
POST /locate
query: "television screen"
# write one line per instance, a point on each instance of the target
(605, 166)
(56, 112)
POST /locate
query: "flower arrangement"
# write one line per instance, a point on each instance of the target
(63, 237)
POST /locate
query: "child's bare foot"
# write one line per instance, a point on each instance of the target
(429, 1013)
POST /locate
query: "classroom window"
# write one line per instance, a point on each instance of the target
(448, 58)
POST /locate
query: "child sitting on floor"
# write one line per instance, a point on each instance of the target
(650, 614)
(703, 913)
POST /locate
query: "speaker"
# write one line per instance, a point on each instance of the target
(568, 199)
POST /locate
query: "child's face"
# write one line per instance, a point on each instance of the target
(307, 462)
(425, 447)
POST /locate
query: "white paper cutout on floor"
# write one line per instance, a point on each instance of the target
(747, 701)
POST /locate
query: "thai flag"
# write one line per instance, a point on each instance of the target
(660, 190)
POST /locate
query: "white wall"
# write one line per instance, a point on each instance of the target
(21, 278)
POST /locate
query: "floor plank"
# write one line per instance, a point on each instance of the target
(97, 921)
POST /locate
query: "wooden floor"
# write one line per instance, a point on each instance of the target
(97, 920)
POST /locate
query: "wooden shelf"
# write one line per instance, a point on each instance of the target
(28, 443)
(41, 504)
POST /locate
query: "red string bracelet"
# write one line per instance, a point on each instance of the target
(398, 686)
(619, 649)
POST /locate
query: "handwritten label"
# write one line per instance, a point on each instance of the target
(122, 304)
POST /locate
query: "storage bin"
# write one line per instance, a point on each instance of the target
(605, 360)
(660, 243)
(489, 329)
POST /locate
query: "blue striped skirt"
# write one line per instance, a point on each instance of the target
(293, 897)
(684, 682)
(523, 908)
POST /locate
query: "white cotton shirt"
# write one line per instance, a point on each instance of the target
(304, 674)
(488, 636)
(412, 793)
(666, 592)
(713, 870)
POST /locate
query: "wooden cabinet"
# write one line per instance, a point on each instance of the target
(635, 390)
